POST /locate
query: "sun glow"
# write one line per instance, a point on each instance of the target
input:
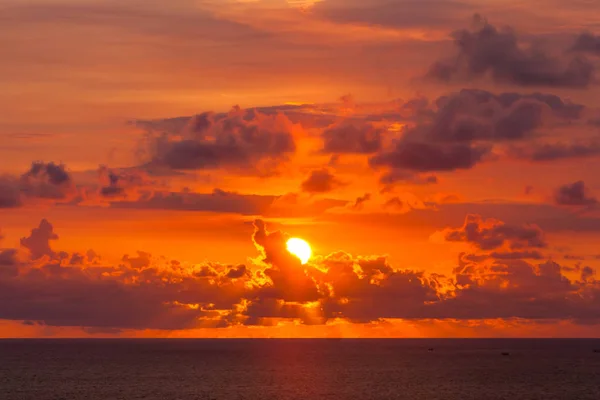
(300, 248)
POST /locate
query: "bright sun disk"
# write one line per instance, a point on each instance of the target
(300, 248)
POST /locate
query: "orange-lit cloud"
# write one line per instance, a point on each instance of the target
(144, 292)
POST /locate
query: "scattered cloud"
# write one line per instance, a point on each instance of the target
(544, 152)
(352, 137)
(320, 181)
(360, 201)
(42, 182)
(486, 50)
(490, 234)
(247, 141)
(574, 194)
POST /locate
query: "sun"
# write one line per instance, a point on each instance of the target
(300, 248)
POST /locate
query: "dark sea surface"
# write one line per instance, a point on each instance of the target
(299, 369)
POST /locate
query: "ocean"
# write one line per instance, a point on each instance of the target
(276, 369)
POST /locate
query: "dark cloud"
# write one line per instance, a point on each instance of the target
(51, 172)
(38, 242)
(464, 126)
(427, 157)
(263, 311)
(504, 255)
(493, 234)
(320, 181)
(46, 181)
(112, 189)
(290, 281)
(247, 141)
(574, 194)
(486, 50)
(146, 292)
(475, 115)
(109, 302)
(141, 293)
(238, 272)
(555, 151)
(516, 289)
(397, 203)
(10, 194)
(352, 137)
(587, 42)
(8, 263)
(123, 183)
(43, 181)
(360, 201)
(140, 262)
(363, 285)
(399, 175)
(587, 273)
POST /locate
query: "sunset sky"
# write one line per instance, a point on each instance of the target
(441, 158)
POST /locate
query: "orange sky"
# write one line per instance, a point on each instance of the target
(442, 166)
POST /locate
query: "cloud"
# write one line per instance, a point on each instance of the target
(238, 272)
(455, 131)
(399, 175)
(574, 194)
(363, 285)
(360, 201)
(471, 115)
(143, 292)
(587, 274)
(427, 157)
(46, 181)
(516, 289)
(320, 181)
(397, 203)
(10, 195)
(504, 255)
(123, 183)
(290, 281)
(147, 292)
(499, 53)
(52, 173)
(38, 242)
(248, 141)
(587, 42)
(464, 127)
(352, 137)
(490, 234)
(544, 152)
(8, 263)
(43, 181)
